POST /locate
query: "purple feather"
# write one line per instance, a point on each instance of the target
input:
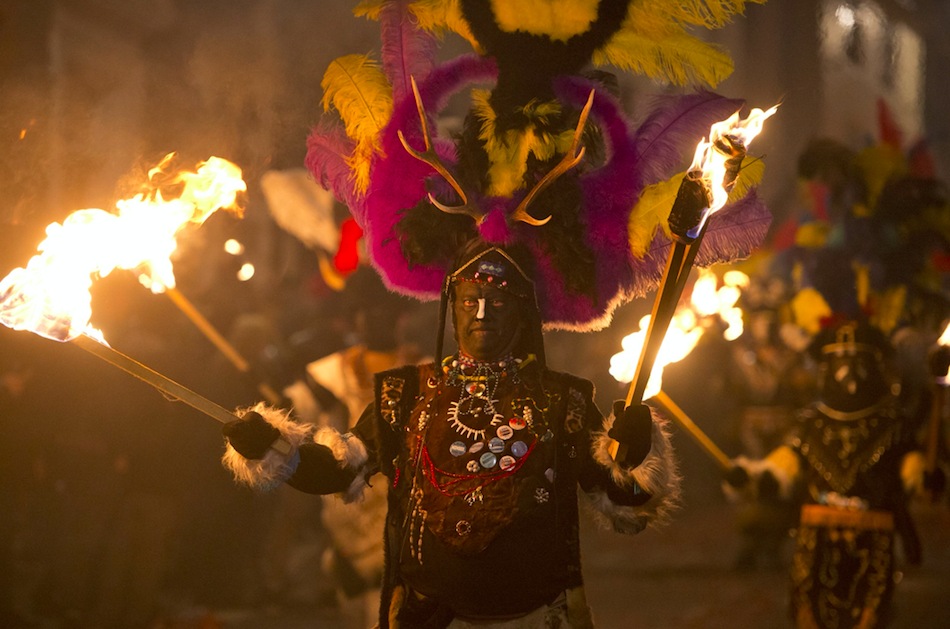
(734, 233)
(327, 151)
(407, 50)
(670, 133)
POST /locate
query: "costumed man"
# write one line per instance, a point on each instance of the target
(851, 461)
(483, 457)
(539, 221)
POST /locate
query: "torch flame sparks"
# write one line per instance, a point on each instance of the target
(51, 295)
(686, 328)
(711, 161)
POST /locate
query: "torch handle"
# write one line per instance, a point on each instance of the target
(663, 308)
(157, 380)
(683, 421)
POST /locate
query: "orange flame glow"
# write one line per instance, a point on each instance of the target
(51, 295)
(712, 162)
(686, 328)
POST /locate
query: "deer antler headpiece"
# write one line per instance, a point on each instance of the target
(546, 161)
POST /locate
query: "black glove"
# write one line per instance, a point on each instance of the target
(939, 361)
(935, 482)
(251, 436)
(768, 486)
(736, 476)
(633, 428)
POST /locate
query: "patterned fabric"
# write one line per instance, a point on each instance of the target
(842, 575)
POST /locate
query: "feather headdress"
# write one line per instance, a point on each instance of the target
(547, 160)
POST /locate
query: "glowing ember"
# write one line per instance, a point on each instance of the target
(712, 161)
(686, 328)
(233, 247)
(51, 295)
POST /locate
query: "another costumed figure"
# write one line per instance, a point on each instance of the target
(535, 218)
(854, 464)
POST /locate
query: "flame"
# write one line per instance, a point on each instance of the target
(686, 328)
(51, 295)
(712, 162)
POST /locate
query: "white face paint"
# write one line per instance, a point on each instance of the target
(481, 309)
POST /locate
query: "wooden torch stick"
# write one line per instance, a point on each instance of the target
(165, 385)
(683, 421)
(157, 380)
(220, 342)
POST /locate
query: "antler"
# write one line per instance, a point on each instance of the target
(570, 161)
(430, 157)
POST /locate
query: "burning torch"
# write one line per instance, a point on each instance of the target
(687, 326)
(51, 297)
(704, 191)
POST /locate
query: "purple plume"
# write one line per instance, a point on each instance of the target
(407, 50)
(670, 133)
(734, 233)
(327, 151)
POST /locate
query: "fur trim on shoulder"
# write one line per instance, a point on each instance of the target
(658, 475)
(350, 452)
(275, 468)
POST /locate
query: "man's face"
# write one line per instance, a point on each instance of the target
(487, 321)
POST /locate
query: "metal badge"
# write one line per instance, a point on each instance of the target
(488, 460)
(505, 432)
(477, 447)
(458, 448)
(507, 462)
(518, 448)
(496, 445)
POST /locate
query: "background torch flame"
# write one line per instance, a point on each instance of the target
(686, 328)
(712, 162)
(51, 295)
(944, 341)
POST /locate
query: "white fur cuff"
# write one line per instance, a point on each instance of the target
(350, 452)
(657, 475)
(275, 468)
(755, 468)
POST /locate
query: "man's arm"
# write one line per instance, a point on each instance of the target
(318, 461)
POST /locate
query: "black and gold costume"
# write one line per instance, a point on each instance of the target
(850, 469)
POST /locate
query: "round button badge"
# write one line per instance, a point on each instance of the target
(496, 445)
(504, 432)
(458, 448)
(518, 448)
(507, 462)
(488, 460)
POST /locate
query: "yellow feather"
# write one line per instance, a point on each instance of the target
(438, 16)
(749, 175)
(369, 9)
(358, 89)
(879, 163)
(809, 308)
(508, 153)
(653, 40)
(677, 58)
(558, 19)
(651, 211)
